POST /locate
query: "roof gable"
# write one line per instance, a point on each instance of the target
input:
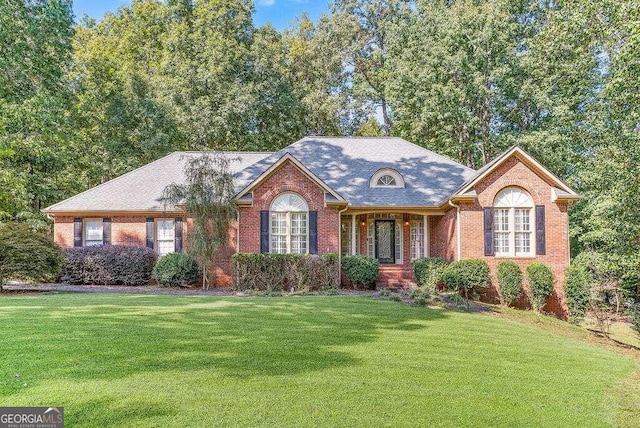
(565, 191)
(287, 157)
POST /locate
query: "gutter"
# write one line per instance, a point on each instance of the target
(458, 240)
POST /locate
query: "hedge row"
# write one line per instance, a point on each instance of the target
(467, 276)
(285, 272)
(108, 264)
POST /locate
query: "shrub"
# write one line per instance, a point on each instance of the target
(361, 270)
(577, 288)
(176, 269)
(429, 271)
(277, 272)
(28, 254)
(634, 313)
(540, 283)
(109, 264)
(466, 275)
(509, 281)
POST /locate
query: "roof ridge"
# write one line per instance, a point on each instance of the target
(230, 151)
(50, 207)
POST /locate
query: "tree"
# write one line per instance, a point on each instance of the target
(36, 145)
(206, 198)
(364, 27)
(27, 254)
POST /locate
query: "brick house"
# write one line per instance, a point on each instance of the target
(384, 197)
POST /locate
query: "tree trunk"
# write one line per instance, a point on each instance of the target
(386, 123)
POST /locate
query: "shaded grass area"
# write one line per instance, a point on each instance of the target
(130, 360)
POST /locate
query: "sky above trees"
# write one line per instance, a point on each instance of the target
(280, 13)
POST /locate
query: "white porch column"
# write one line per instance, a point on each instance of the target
(353, 234)
(427, 238)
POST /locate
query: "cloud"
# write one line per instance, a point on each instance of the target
(266, 2)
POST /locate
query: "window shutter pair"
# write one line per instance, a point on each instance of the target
(540, 231)
(177, 229)
(77, 231)
(313, 231)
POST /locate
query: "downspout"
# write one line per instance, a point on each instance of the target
(237, 241)
(340, 243)
(458, 240)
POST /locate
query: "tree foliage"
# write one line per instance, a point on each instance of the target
(27, 254)
(206, 198)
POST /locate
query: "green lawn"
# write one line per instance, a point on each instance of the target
(131, 360)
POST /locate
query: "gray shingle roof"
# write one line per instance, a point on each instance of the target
(140, 189)
(346, 164)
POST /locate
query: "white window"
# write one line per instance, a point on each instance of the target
(289, 229)
(417, 237)
(512, 221)
(386, 177)
(347, 228)
(93, 232)
(166, 236)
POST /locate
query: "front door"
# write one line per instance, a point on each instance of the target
(385, 241)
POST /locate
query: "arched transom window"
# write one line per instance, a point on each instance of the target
(386, 177)
(513, 223)
(289, 215)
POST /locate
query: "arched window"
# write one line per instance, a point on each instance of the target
(513, 223)
(289, 230)
(386, 177)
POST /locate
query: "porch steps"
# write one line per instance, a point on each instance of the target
(394, 276)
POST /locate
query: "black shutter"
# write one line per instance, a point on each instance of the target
(150, 225)
(488, 231)
(313, 232)
(106, 231)
(77, 232)
(264, 231)
(540, 231)
(178, 231)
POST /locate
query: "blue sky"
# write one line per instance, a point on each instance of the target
(278, 12)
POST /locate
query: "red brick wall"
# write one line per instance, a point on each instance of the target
(63, 231)
(442, 234)
(288, 178)
(514, 172)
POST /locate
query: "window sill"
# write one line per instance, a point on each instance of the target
(511, 256)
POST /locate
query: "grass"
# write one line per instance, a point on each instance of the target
(131, 360)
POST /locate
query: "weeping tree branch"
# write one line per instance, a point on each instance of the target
(207, 200)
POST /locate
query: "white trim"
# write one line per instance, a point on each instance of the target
(353, 235)
(511, 230)
(427, 238)
(156, 243)
(397, 177)
(289, 235)
(458, 228)
(84, 230)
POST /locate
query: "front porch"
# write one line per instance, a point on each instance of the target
(394, 238)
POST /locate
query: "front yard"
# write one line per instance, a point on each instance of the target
(158, 360)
